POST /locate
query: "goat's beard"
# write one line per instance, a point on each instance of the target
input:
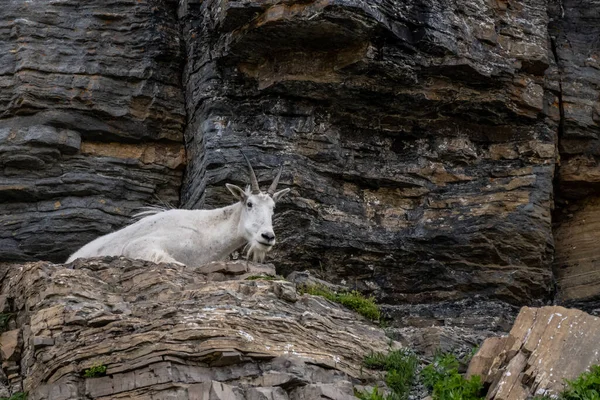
(256, 251)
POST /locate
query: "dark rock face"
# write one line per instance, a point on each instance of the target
(418, 137)
(574, 31)
(91, 120)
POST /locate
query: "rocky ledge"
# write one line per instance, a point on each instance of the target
(165, 331)
(545, 347)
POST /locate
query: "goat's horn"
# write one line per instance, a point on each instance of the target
(253, 180)
(273, 186)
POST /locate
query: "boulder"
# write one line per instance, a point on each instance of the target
(545, 346)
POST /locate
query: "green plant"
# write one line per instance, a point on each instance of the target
(353, 300)
(95, 371)
(400, 367)
(443, 365)
(585, 387)
(442, 377)
(16, 396)
(373, 395)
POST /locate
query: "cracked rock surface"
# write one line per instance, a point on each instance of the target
(165, 331)
(544, 347)
(418, 137)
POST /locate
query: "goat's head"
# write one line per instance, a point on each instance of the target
(257, 213)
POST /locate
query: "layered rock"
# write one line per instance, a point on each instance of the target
(91, 120)
(545, 346)
(574, 31)
(165, 331)
(578, 257)
(449, 326)
(417, 137)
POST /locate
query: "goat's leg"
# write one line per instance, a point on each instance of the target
(160, 256)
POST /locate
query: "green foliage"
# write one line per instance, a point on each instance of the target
(16, 396)
(376, 361)
(400, 367)
(443, 378)
(95, 371)
(442, 366)
(374, 395)
(365, 306)
(585, 387)
(456, 387)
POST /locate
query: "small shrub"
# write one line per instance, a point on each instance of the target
(365, 306)
(95, 371)
(376, 361)
(354, 300)
(443, 378)
(16, 396)
(374, 395)
(442, 366)
(400, 367)
(585, 387)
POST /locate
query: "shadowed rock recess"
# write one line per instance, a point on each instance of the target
(91, 120)
(167, 332)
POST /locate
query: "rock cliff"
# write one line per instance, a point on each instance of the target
(442, 155)
(167, 332)
(574, 33)
(418, 137)
(91, 120)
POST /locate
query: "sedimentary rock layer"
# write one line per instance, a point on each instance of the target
(545, 346)
(165, 331)
(91, 120)
(574, 31)
(578, 257)
(418, 137)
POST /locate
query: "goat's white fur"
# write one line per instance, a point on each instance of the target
(195, 237)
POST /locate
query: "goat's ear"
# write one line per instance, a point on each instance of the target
(236, 191)
(280, 194)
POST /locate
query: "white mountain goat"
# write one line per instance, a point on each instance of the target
(196, 237)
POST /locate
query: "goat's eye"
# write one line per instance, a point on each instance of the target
(249, 205)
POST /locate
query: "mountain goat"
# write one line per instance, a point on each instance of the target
(196, 237)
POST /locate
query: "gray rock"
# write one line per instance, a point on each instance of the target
(92, 118)
(267, 393)
(167, 331)
(413, 136)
